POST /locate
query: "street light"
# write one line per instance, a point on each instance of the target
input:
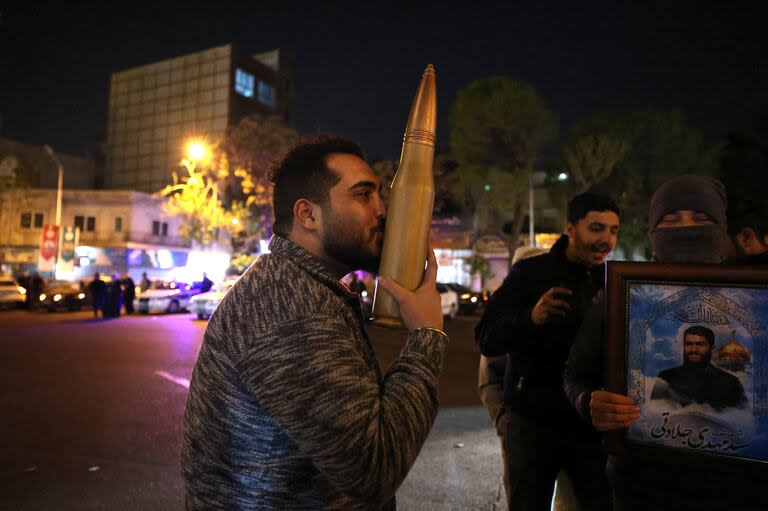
(196, 150)
(59, 193)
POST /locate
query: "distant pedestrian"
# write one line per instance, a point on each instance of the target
(206, 284)
(97, 289)
(114, 297)
(129, 293)
(145, 283)
(36, 286)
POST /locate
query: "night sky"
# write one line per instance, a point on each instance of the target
(357, 67)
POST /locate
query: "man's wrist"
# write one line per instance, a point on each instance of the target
(429, 328)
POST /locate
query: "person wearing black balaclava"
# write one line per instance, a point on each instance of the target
(687, 224)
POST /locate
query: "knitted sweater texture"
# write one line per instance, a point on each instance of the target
(287, 408)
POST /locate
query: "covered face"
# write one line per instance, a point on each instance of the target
(687, 221)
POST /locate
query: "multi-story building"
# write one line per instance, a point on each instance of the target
(120, 231)
(155, 108)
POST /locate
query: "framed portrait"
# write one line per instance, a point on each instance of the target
(689, 344)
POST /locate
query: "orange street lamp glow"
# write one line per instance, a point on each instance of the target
(196, 151)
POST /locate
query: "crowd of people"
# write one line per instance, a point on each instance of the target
(542, 374)
(288, 409)
(109, 298)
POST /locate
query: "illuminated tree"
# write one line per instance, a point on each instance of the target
(248, 148)
(195, 198)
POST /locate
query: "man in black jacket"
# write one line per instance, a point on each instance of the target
(533, 318)
(687, 225)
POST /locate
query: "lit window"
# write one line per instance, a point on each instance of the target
(244, 83)
(26, 220)
(267, 94)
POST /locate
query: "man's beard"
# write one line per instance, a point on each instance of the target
(705, 360)
(347, 243)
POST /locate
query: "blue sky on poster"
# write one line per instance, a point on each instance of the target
(664, 337)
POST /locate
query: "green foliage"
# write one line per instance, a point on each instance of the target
(644, 149)
(246, 151)
(479, 265)
(500, 122)
(498, 128)
(633, 236)
(493, 194)
(195, 198)
(662, 147)
(594, 148)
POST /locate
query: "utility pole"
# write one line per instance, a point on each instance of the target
(59, 193)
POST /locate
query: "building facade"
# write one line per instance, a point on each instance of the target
(119, 231)
(156, 108)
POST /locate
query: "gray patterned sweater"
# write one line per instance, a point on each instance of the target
(287, 408)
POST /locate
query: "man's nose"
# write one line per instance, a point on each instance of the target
(381, 208)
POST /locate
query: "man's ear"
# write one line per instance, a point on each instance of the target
(307, 214)
(570, 230)
(745, 238)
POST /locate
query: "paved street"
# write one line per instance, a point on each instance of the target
(92, 414)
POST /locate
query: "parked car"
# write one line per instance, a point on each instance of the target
(165, 296)
(469, 300)
(449, 300)
(11, 293)
(61, 295)
(205, 303)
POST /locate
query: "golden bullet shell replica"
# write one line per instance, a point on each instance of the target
(411, 199)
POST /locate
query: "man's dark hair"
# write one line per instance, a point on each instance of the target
(701, 331)
(582, 204)
(302, 173)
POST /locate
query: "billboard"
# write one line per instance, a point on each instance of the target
(49, 241)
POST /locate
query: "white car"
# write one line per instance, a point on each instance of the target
(11, 293)
(165, 296)
(205, 303)
(449, 300)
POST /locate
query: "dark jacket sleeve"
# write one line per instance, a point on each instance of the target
(507, 318)
(584, 368)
